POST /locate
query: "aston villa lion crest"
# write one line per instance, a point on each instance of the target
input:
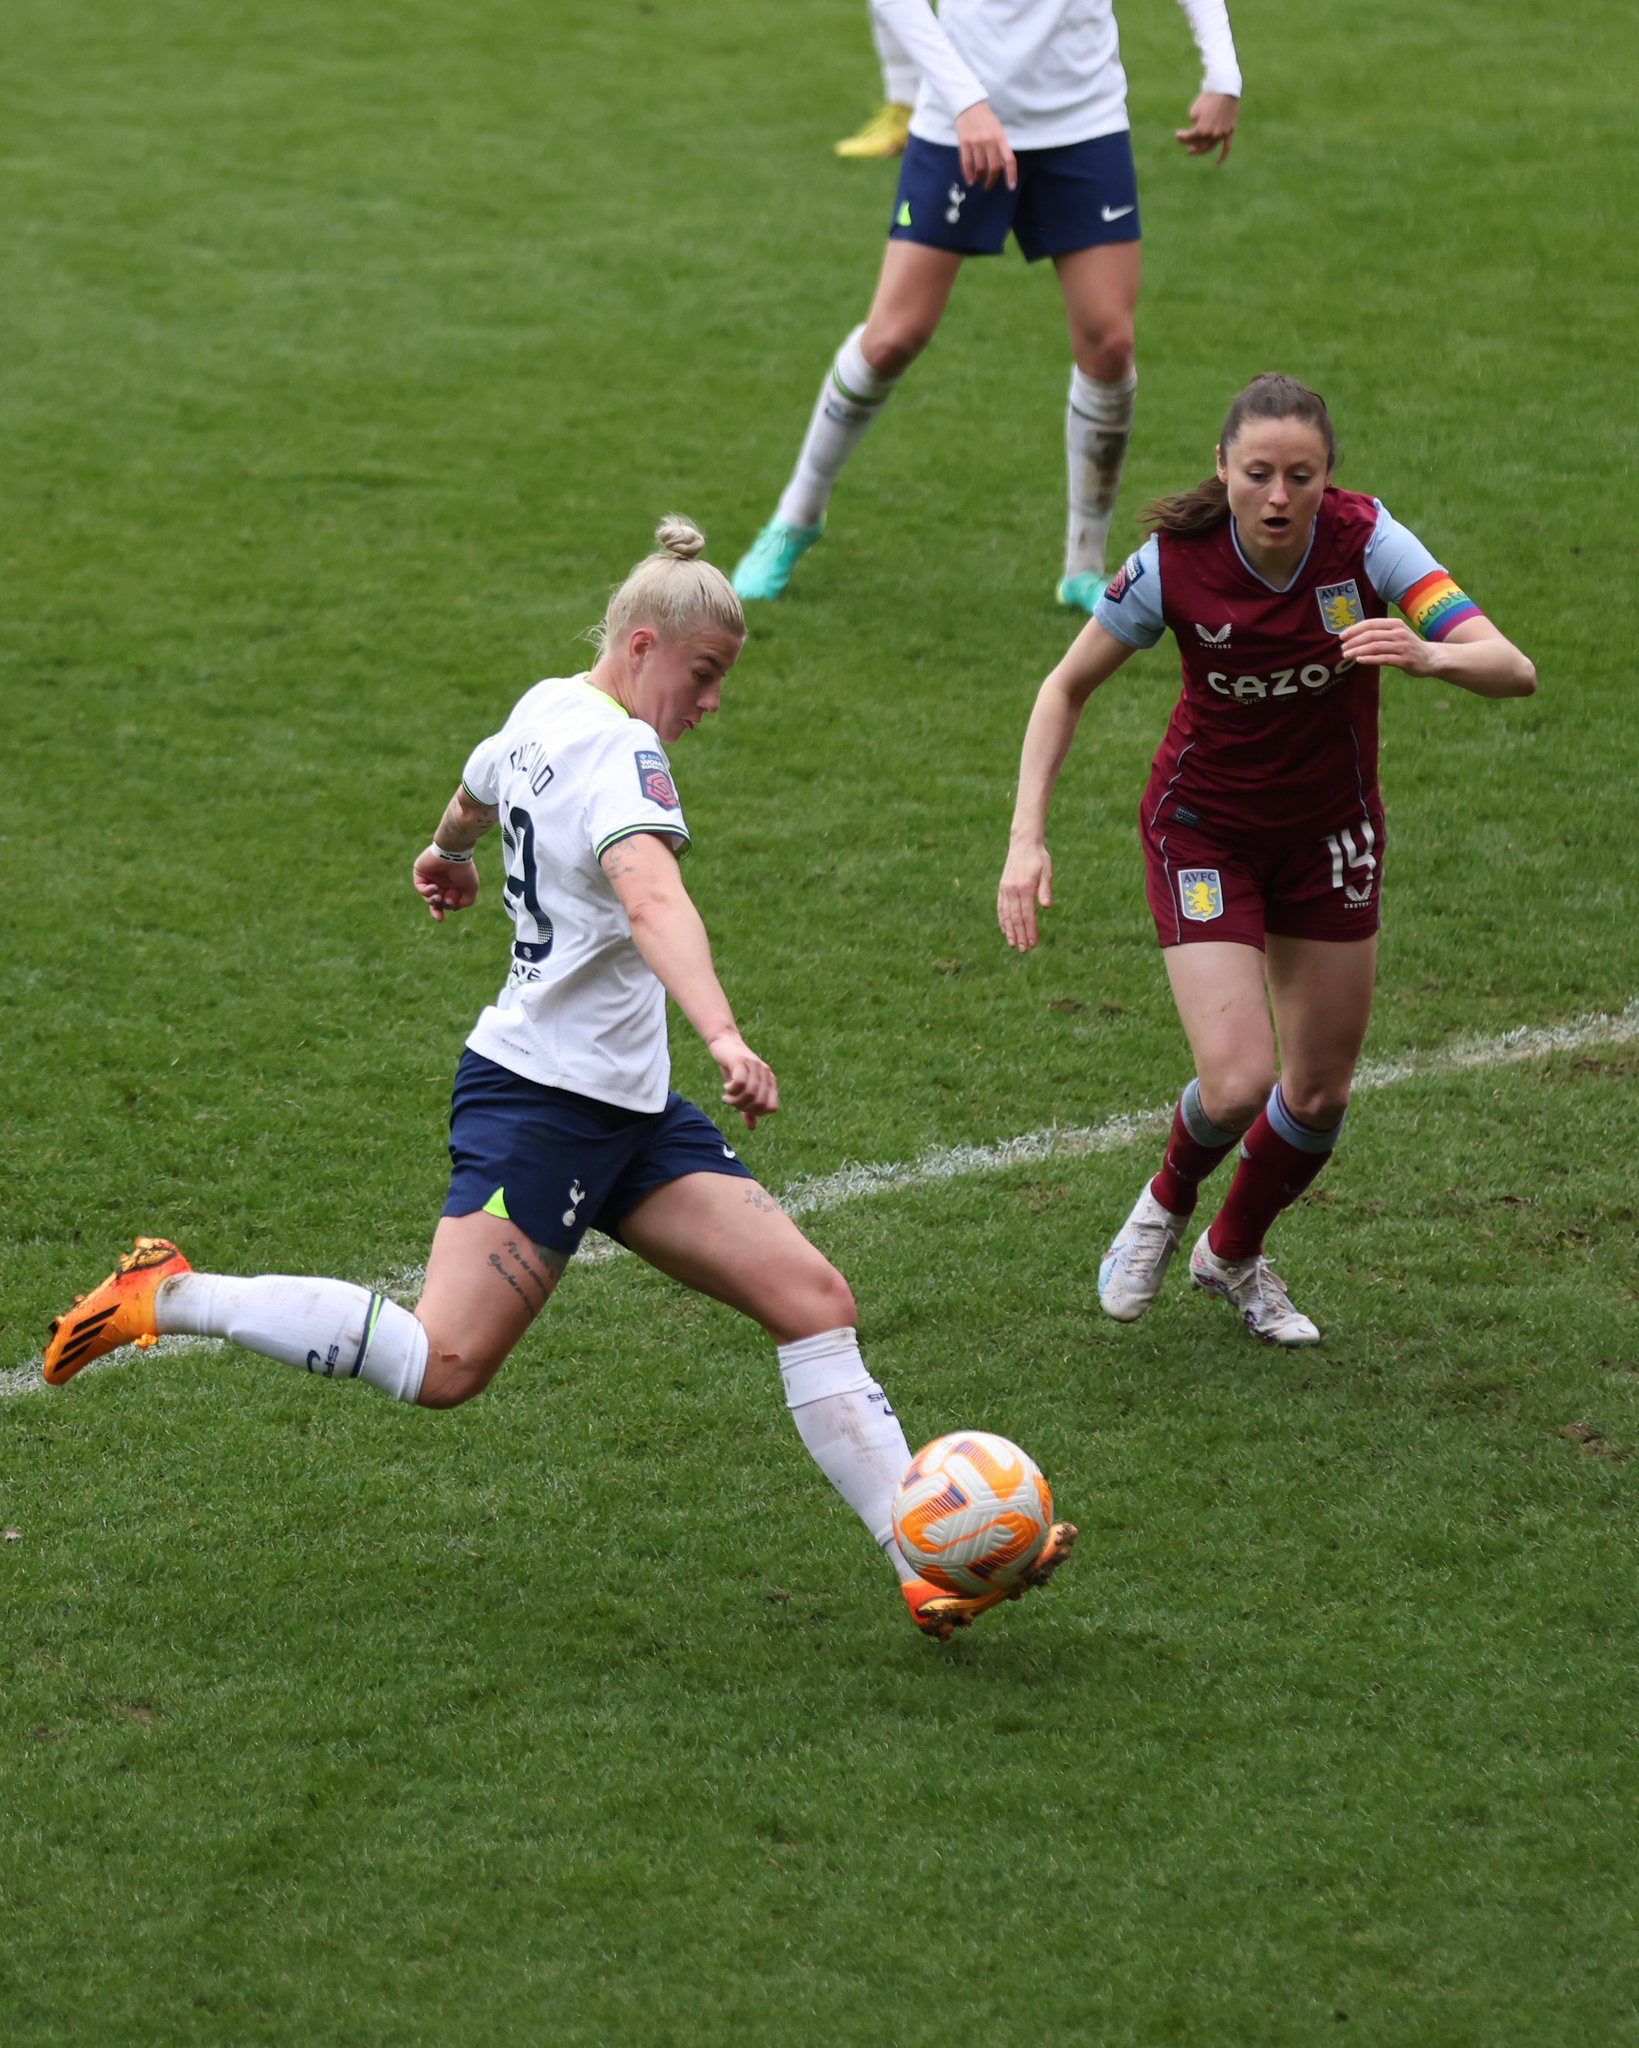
(1201, 894)
(1340, 605)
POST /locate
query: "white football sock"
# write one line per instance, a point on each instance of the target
(1097, 423)
(850, 398)
(326, 1326)
(851, 1433)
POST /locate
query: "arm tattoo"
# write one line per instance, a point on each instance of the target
(465, 821)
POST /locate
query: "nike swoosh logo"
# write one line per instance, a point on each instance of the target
(1116, 212)
(729, 1152)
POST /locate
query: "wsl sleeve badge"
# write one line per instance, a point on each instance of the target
(1123, 580)
(654, 778)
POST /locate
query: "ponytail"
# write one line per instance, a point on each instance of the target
(1195, 511)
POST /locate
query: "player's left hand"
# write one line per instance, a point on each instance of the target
(1211, 124)
(445, 884)
(1390, 643)
(748, 1082)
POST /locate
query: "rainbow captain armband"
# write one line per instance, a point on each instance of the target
(1435, 605)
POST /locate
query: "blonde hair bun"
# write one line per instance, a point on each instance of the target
(680, 537)
(671, 589)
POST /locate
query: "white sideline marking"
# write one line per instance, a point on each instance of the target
(858, 1182)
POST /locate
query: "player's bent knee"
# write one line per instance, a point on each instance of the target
(892, 348)
(1107, 355)
(1321, 1107)
(837, 1304)
(1232, 1100)
(451, 1392)
(451, 1378)
(818, 1299)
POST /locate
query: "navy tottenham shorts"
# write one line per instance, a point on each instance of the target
(1067, 198)
(559, 1164)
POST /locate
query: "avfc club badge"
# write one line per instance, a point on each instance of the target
(655, 779)
(1200, 894)
(1340, 605)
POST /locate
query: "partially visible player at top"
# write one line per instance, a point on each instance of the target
(1262, 824)
(884, 134)
(1020, 124)
(564, 1118)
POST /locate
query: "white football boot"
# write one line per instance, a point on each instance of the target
(1257, 1290)
(1131, 1271)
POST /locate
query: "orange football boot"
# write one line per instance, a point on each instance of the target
(120, 1311)
(937, 1613)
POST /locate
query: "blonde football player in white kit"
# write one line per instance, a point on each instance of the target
(1020, 126)
(564, 1117)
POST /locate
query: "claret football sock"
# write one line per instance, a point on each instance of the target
(1279, 1158)
(1194, 1147)
(331, 1327)
(849, 1429)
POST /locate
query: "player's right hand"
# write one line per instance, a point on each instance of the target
(1027, 880)
(444, 884)
(985, 150)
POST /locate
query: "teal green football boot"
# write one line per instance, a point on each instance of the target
(765, 568)
(1079, 593)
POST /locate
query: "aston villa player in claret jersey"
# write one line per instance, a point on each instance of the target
(1262, 825)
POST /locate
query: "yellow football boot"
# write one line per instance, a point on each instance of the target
(883, 135)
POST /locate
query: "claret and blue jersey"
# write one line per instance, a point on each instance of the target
(1275, 728)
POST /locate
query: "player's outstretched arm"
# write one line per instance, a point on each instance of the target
(1027, 878)
(671, 936)
(445, 873)
(1474, 655)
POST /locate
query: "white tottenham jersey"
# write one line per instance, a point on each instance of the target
(1051, 69)
(571, 773)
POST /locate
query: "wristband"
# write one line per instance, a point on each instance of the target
(444, 853)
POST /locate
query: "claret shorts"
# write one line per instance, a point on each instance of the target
(1205, 884)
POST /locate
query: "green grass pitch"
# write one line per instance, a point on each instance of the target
(347, 355)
